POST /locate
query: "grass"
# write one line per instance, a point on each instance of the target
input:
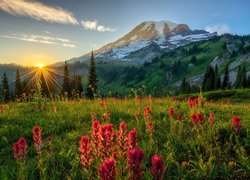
(188, 150)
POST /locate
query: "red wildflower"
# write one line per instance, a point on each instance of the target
(199, 118)
(157, 168)
(150, 126)
(138, 100)
(20, 149)
(106, 139)
(86, 158)
(171, 112)
(132, 139)
(49, 138)
(147, 112)
(95, 137)
(107, 170)
(211, 118)
(194, 118)
(135, 157)
(179, 117)
(37, 137)
(121, 137)
(236, 124)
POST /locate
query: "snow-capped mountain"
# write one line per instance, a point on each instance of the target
(148, 40)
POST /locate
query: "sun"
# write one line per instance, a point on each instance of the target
(40, 66)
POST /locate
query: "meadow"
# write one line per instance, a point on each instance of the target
(136, 138)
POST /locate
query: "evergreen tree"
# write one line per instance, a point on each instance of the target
(237, 83)
(18, 85)
(241, 80)
(92, 78)
(66, 86)
(193, 60)
(244, 76)
(217, 84)
(79, 84)
(248, 82)
(209, 79)
(5, 88)
(226, 83)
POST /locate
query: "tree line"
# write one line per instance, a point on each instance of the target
(45, 83)
(212, 80)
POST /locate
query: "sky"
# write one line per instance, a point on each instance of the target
(47, 31)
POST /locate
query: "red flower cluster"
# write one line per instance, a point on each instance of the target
(236, 124)
(132, 139)
(211, 118)
(86, 158)
(180, 117)
(157, 168)
(197, 118)
(106, 140)
(20, 149)
(138, 100)
(102, 104)
(193, 102)
(37, 137)
(147, 112)
(107, 170)
(135, 157)
(171, 112)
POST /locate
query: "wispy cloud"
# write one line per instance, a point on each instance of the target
(219, 28)
(93, 25)
(38, 11)
(41, 39)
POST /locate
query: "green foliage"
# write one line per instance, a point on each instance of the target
(5, 90)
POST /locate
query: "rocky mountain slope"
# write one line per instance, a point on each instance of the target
(147, 41)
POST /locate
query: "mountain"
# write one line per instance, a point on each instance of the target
(146, 41)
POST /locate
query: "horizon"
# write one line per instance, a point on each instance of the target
(62, 30)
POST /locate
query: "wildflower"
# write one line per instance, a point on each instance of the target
(86, 158)
(138, 100)
(95, 137)
(199, 118)
(150, 126)
(93, 118)
(107, 170)
(37, 137)
(20, 149)
(180, 117)
(135, 157)
(236, 124)
(194, 118)
(106, 115)
(122, 137)
(157, 168)
(106, 139)
(184, 163)
(136, 117)
(147, 112)
(49, 138)
(171, 112)
(132, 139)
(211, 118)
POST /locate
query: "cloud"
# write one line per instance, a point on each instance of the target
(93, 25)
(38, 11)
(220, 29)
(41, 39)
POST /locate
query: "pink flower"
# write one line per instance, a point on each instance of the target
(106, 139)
(199, 118)
(107, 170)
(37, 137)
(135, 157)
(95, 137)
(147, 112)
(236, 124)
(157, 168)
(179, 117)
(86, 158)
(211, 118)
(171, 112)
(132, 139)
(20, 149)
(150, 126)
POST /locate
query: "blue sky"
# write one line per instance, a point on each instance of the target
(48, 31)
